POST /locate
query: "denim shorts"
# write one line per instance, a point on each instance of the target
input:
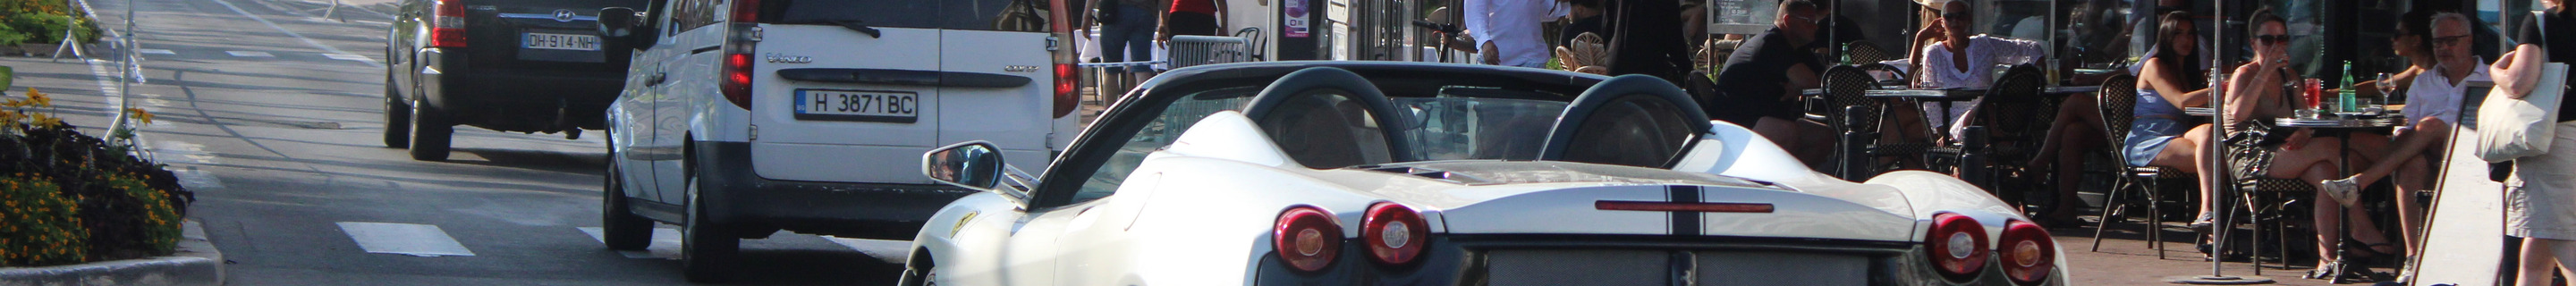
(2147, 137)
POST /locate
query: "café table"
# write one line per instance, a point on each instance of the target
(1944, 96)
(2340, 124)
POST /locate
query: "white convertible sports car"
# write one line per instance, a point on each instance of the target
(1389, 173)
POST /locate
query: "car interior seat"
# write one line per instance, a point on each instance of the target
(1326, 118)
(1631, 120)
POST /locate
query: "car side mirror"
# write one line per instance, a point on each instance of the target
(618, 25)
(976, 165)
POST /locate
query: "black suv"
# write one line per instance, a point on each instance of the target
(508, 65)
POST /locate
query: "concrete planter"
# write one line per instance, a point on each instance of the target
(196, 263)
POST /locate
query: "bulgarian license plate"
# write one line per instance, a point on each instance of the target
(561, 42)
(855, 105)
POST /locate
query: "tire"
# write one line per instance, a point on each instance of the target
(429, 132)
(922, 276)
(707, 249)
(619, 227)
(397, 117)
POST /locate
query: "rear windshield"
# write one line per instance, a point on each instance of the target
(982, 15)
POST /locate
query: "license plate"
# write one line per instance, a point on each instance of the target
(561, 42)
(855, 105)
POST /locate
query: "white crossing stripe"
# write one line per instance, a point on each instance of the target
(250, 54)
(157, 52)
(892, 251)
(349, 57)
(403, 238)
(666, 243)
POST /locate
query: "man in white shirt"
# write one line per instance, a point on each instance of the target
(1964, 60)
(2433, 103)
(1507, 31)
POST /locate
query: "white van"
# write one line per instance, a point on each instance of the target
(741, 118)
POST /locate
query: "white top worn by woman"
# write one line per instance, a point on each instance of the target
(1984, 52)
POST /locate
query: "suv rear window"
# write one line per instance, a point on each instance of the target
(982, 15)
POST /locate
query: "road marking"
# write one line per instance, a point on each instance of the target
(892, 251)
(272, 25)
(156, 52)
(666, 243)
(403, 238)
(254, 54)
(349, 57)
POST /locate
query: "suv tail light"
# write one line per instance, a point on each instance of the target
(1068, 94)
(737, 53)
(2028, 253)
(447, 30)
(1958, 246)
(1307, 238)
(1395, 234)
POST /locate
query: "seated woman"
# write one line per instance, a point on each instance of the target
(1963, 60)
(2168, 80)
(2262, 90)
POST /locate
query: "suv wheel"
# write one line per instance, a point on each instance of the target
(429, 132)
(397, 117)
(706, 249)
(619, 227)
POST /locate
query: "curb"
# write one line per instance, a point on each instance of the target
(196, 263)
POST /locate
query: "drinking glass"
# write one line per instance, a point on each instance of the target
(2387, 88)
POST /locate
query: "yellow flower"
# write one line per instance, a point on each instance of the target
(139, 114)
(48, 121)
(39, 98)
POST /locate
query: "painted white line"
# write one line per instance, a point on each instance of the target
(349, 57)
(272, 25)
(156, 52)
(403, 238)
(892, 251)
(666, 243)
(255, 54)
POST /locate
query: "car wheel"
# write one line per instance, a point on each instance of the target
(397, 117)
(706, 249)
(919, 272)
(429, 132)
(619, 227)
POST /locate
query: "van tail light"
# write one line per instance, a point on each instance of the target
(1958, 246)
(1068, 95)
(1395, 234)
(737, 53)
(1307, 238)
(2028, 253)
(447, 30)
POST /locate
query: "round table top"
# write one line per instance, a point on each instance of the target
(2340, 122)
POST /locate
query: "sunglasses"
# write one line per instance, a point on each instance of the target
(2450, 41)
(2273, 39)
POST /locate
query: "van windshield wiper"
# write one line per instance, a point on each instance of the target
(853, 25)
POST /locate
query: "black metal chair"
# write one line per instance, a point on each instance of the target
(2015, 114)
(2136, 186)
(1846, 107)
(1866, 52)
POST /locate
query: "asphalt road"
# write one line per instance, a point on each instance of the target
(273, 116)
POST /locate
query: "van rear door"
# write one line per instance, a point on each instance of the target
(833, 102)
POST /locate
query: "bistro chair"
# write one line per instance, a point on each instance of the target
(1865, 52)
(2016, 114)
(1857, 118)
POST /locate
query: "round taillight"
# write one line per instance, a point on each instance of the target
(1395, 234)
(1958, 246)
(1307, 238)
(2028, 253)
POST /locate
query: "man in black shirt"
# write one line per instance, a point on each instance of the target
(1761, 83)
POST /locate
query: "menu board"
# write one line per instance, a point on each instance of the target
(1740, 16)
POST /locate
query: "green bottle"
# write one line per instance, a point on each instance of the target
(1846, 52)
(2344, 97)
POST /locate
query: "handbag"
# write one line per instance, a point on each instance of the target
(2514, 128)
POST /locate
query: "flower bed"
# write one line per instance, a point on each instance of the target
(67, 197)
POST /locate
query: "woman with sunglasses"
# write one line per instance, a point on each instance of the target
(2265, 89)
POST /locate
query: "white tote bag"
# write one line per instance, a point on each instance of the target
(2514, 128)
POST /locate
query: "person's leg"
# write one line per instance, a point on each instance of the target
(2075, 115)
(2416, 176)
(2425, 135)
(2538, 256)
(2314, 163)
(2185, 154)
(2558, 249)
(1817, 141)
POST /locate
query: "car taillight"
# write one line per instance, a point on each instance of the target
(1395, 234)
(1307, 238)
(738, 49)
(2028, 253)
(1067, 94)
(1958, 246)
(447, 30)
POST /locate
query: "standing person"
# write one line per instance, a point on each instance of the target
(1644, 40)
(1127, 34)
(2541, 205)
(1762, 80)
(2433, 103)
(2265, 89)
(1962, 59)
(1192, 17)
(1507, 31)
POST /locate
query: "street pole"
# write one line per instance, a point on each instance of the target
(2218, 168)
(69, 37)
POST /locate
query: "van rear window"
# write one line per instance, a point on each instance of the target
(982, 15)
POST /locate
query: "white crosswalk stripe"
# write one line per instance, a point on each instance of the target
(257, 54)
(157, 52)
(403, 238)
